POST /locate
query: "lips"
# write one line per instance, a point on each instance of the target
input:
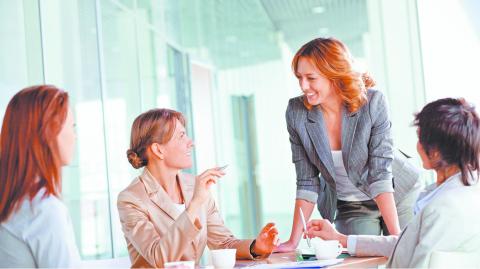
(310, 95)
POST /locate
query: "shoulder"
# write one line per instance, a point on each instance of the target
(133, 193)
(376, 99)
(457, 203)
(295, 109)
(296, 104)
(50, 235)
(376, 106)
(50, 205)
(41, 211)
(49, 217)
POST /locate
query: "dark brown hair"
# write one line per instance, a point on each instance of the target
(28, 146)
(451, 127)
(153, 126)
(332, 58)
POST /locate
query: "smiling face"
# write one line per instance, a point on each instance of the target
(314, 85)
(177, 152)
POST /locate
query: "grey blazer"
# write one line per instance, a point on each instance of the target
(367, 150)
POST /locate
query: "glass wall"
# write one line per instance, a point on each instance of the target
(112, 61)
(20, 33)
(226, 66)
(71, 62)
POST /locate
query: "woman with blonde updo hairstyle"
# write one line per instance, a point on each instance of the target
(342, 148)
(168, 216)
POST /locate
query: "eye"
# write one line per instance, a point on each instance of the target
(311, 78)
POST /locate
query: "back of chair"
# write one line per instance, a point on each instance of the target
(444, 259)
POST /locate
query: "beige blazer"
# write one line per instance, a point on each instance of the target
(156, 232)
(450, 222)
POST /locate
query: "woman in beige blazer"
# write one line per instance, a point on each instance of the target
(168, 216)
(446, 213)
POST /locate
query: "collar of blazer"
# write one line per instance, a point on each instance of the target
(316, 130)
(160, 197)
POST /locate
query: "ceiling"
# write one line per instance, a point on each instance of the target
(234, 33)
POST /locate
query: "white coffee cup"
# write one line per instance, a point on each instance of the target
(180, 265)
(327, 249)
(223, 258)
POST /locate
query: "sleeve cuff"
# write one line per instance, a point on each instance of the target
(352, 244)
(380, 186)
(309, 196)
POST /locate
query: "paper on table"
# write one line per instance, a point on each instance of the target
(306, 251)
(302, 264)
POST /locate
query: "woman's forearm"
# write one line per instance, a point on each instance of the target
(386, 205)
(297, 227)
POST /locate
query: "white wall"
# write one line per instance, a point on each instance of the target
(450, 48)
(394, 59)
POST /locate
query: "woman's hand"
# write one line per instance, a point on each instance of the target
(297, 226)
(203, 182)
(287, 246)
(325, 230)
(202, 191)
(266, 240)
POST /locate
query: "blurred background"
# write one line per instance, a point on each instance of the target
(226, 65)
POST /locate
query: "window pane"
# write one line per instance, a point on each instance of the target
(122, 102)
(71, 62)
(20, 49)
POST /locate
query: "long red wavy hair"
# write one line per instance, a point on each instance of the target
(29, 154)
(332, 58)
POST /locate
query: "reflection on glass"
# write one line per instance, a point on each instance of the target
(71, 62)
(20, 49)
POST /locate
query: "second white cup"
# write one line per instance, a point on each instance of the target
(327, 249)
(223, 258)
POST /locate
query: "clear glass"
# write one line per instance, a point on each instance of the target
(72, 63)
(121, 100)
(20, 49)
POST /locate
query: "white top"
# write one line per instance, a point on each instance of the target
(346, 191)
(39, 234)
(180, 207)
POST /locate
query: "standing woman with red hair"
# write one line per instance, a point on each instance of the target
(342, 147)
(37, 139)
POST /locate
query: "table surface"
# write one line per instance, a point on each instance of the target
(348, 262)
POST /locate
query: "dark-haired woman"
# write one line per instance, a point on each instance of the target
(37, 139)
(168, 216)
(342, 147)
(447, 212)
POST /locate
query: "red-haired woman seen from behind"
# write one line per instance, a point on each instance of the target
(36, 140)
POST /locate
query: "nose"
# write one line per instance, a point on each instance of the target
(304, 85)
(191, 144)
